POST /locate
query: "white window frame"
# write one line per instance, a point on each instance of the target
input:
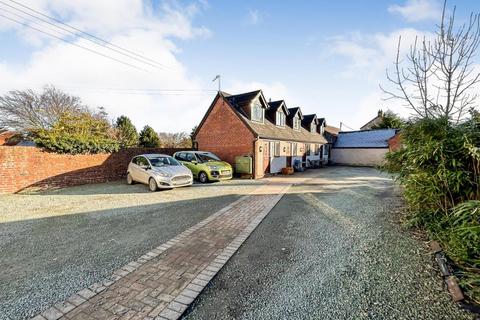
(294, 149)
(312, 127)
(272, 149)
(280, 119)
(296, 123)
(253, 114)
(308, 149)
(277, 149)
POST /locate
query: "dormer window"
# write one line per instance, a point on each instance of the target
(258, 113)
(280, 119)
(312, 127)
(296, 123)
(322, 129)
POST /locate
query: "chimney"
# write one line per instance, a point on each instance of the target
(380, 113)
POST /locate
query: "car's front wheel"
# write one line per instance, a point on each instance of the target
(202, 177)
(129, 179)
(152, 185)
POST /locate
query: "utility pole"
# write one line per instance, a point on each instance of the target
(217, 77)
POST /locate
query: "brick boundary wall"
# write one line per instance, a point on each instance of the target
(24, 168)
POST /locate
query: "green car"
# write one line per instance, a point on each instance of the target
(205, 166)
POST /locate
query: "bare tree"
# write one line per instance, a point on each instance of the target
(174, 140)
(27, 110)
(440, 74)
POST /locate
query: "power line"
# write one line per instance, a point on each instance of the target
(104, 43)
(147, 91)
(30, 21)
(73, 43)
(342, 124)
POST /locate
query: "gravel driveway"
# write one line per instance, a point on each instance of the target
(55, 243)
(330, 249)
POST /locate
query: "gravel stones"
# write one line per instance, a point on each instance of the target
(330, 249)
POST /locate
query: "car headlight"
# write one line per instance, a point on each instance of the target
(163, 174)
(212, 167)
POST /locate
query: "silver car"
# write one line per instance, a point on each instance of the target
(159, 171)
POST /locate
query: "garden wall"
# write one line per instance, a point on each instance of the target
(24, 168)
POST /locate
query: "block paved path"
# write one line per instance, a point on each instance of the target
(163, 282)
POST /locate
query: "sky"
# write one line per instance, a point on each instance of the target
(327, 57)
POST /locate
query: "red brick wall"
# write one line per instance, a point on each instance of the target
(5, 136)
(224, 134)
(395, 142)
(28, 167)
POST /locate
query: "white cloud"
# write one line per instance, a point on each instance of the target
(418, 10)
(367, 58)
(253, 17)
(369, 54)
(132, 24)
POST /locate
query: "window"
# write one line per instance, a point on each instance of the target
(180, 156)
(312, 127)
(277, 149)
(190, 157)
(317, 149)
(207, 157)
(280, 119)
(307, 149)
(294, 149)
(322, 129)
(141, 161)
(296, 123)
(257, 112)
(163, 161)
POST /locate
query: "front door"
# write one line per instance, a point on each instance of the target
(266, 158)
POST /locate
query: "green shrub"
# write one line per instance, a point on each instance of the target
(77, 133)
(126, 132)
(459, 233)
(149, 138)
(439, 167)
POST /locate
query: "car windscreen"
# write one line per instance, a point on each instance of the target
(163, 161)
(206, 157)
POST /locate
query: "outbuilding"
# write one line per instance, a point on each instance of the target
(362, 148)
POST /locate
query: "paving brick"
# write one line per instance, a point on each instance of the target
(163, 282)
(76, 300)
(170, 314)
(64, 306)
(52, 314)
(86, 293)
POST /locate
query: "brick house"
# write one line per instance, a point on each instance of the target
(272, 134)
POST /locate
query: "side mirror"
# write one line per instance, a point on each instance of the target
(146, 167)
(194, 162)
